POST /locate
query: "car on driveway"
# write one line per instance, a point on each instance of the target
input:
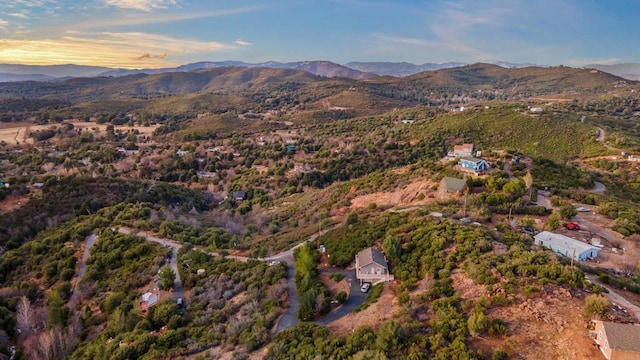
(572, 226)
(365, 287)
(274, 263)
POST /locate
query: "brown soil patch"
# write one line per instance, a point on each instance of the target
(12, 202)
(407, 196)
(383, 310)
(331, 285)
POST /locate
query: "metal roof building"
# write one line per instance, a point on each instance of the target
(566, 246)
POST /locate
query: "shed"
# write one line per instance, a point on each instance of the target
(566, 246)
(452, 186)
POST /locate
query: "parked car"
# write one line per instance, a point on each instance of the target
(572, 226)
(531, 203)
(274, 263)
(180, 302)
(583, 209)
(530, 231)
(365, 287)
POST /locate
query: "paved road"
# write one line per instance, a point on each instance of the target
(617, 298)
(356, 297)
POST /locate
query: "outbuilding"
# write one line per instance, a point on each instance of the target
(566, 246)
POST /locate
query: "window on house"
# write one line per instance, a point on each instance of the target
(600, 335)
(606, 344)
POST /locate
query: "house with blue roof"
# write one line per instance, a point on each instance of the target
(478, 166)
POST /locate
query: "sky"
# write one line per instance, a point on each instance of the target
(166, 33)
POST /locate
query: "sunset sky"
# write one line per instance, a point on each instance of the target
(166, 33)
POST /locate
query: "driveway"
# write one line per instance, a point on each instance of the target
(290, 317)
(355, 299)
(91, 239)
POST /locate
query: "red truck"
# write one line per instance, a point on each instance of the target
(572, 226)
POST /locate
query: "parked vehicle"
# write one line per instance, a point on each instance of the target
(365, 287)
(572, 226)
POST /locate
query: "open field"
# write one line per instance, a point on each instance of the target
(18, 132)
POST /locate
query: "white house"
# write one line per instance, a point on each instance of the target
(464, 150)
(566, 246)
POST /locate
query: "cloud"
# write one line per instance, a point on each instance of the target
(143, 5)
(153, 18)
(242, 43)
(148, 56)
(19, 15)
(106, 49)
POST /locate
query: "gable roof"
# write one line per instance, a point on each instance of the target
(622, 336)
(371, 255)
(454, 184)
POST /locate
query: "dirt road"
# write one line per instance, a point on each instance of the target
(616, 298)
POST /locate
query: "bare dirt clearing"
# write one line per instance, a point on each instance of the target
(12, 202)
(407, 196)
(548, 325)
(383, 310)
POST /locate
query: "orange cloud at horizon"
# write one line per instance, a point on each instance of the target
(119, 50)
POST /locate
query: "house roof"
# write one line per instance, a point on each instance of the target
(463, 147)
(454, 184)
(622, 336)
(473, 160)
(371, 255)
(563, 244)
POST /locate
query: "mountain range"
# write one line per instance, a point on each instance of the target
(352, 70)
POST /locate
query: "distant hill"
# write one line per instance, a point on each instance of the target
(52, 71)
(198, 81)
(398, 68)
(8, 77)
(408, 69)
(526, 80)
(320, 68)
(629, 71)
(477, 82)
(47, 73)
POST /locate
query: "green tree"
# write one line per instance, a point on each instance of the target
(58, 312)
(553, 222)
(389, 337)
(568, 211)
(514, 188)
(477, 323)
(392, 247)
(527, 222)
(167, 278)
(596, 305)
